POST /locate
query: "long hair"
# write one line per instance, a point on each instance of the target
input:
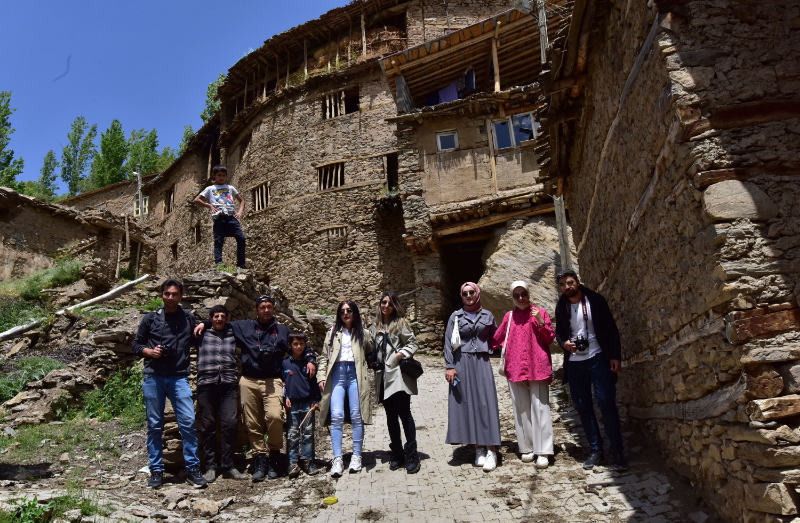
(396, 320)
(357, 329)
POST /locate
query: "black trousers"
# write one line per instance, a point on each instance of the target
(218, 402)
(398, 408)
(225, 227)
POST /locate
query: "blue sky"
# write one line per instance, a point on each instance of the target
(145, 63)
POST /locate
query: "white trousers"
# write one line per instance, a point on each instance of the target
(531, 400)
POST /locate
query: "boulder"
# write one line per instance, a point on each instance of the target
(732, 199)
(528, 253)
(773, 498)
(790, 373)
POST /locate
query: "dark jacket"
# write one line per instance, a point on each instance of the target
(263, 347)
(605, 328)
(168, 330)
(216, 357)
(297, 383)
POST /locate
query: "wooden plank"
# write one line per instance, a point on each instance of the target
(454, 39)
(496, 66)
(449, 240)
(489, 134)
(475, 30)
(744, 115)
(563, 83)
(774, 408)
(492, 219)
(765, 325)
(703, 179)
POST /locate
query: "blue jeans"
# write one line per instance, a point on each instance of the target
(298, 412)
(224, 227)
(345, 382)
(156, 390)
(596, 372)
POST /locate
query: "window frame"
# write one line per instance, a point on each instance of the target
(169, 200)
(137, 211)
(440, 134)
(334, 104)
(265, 189)
(330, 176)
(510, 121)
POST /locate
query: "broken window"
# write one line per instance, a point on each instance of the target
(502, 134)
(198, 237)
(513, 130)
(169, 200)
(340, 103)
(260, 197)
(337, 238)
(447, 140)
(391, 167)
(174, 248)
(329, 176)
(140, 210)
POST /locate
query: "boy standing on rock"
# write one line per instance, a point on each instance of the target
(219, 200)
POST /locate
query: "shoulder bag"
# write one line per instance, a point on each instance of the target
(455, 336)
(502, 369)
(408, 366)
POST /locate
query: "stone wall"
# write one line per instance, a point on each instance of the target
(429, 20)
(685, 217)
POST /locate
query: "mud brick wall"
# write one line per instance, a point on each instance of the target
(686, 218)
(428, 20)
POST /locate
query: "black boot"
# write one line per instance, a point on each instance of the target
(412, 457)
(259, 468)
(398, 456)
(274, 460)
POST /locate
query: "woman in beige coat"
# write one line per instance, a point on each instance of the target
(394, 340)
(342, 372)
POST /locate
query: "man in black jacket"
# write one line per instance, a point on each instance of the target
(586, 331)
(264, 343)
(164, 340)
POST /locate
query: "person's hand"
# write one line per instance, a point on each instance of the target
(288, 403)
(450, 375)
(400, 356)
(199, 329)
(315, 406)
(312, 369)
(570, 347)
(238, 215)
(155, 352)
(211, 209)
(321, 386)
(536, 313)
(616, 365)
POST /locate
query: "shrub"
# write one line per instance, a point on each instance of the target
(16, 311)
(153, 304)
(65, 271)
(121, 396)
(27, 370)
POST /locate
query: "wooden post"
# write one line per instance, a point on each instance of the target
(119, 254)
(349, 37)
(277, 73)
(287, 67)
(341, 105)
(210, 150)
(329, 51)
(489, 132)
(337, 51)
(305, 58)
(138, 256)
(266, 76)
(127, 237)
(363, 36)
(496, 65)
(327, 106)
(542, 23)
(561, 227)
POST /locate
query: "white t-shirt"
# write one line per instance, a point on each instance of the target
(577, 327)
(221, 197)
(346, 352)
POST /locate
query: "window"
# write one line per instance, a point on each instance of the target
(337, 238)
(329, 176)
(513, 130)
(198, 237)
(260, 197)
(174, 248)
(391, 167)
(447, 141)
(169, 200)
(139, 210)
(340, 103)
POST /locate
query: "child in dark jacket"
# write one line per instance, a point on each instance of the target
(301, 396)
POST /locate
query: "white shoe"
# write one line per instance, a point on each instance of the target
(480, 456)
(542, 462)
(527, 458)
(491, 461)
(337, 468)
(355, 464)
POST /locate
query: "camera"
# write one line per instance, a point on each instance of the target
(168, 350)
(373, 363)
(581, 343)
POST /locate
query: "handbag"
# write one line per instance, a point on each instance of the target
(455, 337)
(501, 370)
(408, 366)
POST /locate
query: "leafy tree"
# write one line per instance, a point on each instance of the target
(77, 154)
(9, 167)
(46, 186)
(212, 104)
(108, 165)
(143, 147)
(29, 188)
(188, 133)
(165, 159)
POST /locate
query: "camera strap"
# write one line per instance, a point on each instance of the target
(162, 314)
(585, 315)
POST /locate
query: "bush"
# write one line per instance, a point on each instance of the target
(121, 397)
(16, 311)
(27, 370)
(66, 271)
(153, 304)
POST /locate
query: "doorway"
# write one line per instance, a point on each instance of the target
(461, 262)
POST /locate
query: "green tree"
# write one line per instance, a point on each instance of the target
(107, 167)
(9, 167)
(143, 147)
(212, 104)
(165, 159)
(29, 188)
(78, 154)
(46, 186)
(188, 134)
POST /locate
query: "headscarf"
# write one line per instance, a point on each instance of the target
(475, 307)
(524, 286)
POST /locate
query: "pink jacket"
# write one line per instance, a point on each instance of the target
(528, 348)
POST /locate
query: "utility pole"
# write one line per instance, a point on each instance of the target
(561, 226)
(541, 13)
(139, 192)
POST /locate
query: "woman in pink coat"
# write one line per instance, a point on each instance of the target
(529, 372)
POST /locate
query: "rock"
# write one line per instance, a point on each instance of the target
(80, 290)
(73, 515)
(698, 517)
(790, 373)
(529, 253)
(64, 458)
(774, 498)
(224, 503)
(732, 199)
(23, 397)
(769, 455)
(21, 345)
(9, 432)
(206, 507)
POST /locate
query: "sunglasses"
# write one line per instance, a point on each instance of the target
(345, 312)
(520, 295)
(568, 283)
(468, 293)
(387, 303)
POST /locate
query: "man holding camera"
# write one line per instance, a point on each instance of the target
(164, 340)
(264, 343)
(586, 331)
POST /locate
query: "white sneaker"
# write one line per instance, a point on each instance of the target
(542, 462)
(355, 464)
(527, 458)
(480, 456)
(337, 467)
(491, 461)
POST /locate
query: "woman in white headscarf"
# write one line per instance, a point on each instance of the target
(526, 333)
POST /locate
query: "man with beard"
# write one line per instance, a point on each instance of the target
(586, 331)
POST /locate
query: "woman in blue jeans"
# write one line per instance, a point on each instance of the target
(343, 379)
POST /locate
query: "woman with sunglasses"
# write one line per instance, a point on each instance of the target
(394, 340)
(473, 414)
(529, 371)
(343, 374)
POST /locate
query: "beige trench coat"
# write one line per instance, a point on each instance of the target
(325, 368)
(395, 380)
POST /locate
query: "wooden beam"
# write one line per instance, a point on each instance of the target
(564, 83)
(492, 219)
(744, 115)
(287, 67)
(363, 36)
(489, 135)
(773, 324)
(305, 57)
(449, 240)
(496, 65)
(703, 179)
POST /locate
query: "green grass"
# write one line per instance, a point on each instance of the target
(221, 267)
(70, 436)
(18, 311)
(327, 312)
(29, 510)
(121, 397)
(26, 371)
(100, 314)
(65, 271)
(153, 304)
